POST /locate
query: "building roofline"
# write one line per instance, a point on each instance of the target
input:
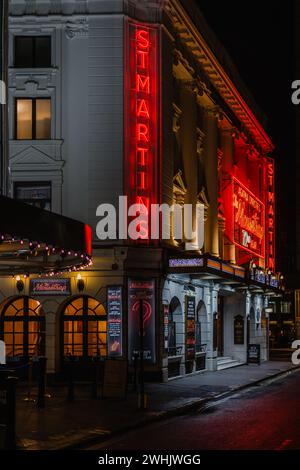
(219, 67)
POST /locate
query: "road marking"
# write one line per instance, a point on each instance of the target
(284, 444)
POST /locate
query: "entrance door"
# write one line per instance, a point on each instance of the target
(220, 327)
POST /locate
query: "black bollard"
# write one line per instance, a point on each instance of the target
(135, 370)
(8, 412)
(71, 394)
(95, 378)
(42, 362)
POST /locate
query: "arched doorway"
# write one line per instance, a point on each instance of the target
(201, 327)
(83, 330)
(176, 338)
(176, 328)
(22, 328)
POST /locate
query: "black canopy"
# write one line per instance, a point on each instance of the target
(33, 239)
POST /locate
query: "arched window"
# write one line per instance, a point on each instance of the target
(22, 327)
(84, 325)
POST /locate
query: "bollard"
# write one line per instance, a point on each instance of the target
(70, 396)
(135, 370)
(3, 428)
(8, 412)
(42, 362)
(95, 378)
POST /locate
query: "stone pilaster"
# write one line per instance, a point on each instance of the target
(211, 173)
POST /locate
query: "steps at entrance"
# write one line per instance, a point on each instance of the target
(226, 362)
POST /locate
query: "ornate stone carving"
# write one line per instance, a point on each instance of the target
(176, 118)
(31, 87)
(179, 188)
(77, 28)
(200, 141)
(220, 159)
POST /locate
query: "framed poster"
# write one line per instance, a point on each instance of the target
(114, 321)
(166, 326)
(141, 294)
(190, 337)
(238, 329)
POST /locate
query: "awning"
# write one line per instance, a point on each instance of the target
(34, 240)
(206, 267)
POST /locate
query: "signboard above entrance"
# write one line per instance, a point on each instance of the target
(50, 287)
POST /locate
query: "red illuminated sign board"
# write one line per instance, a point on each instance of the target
(245, 218)
(270, 215)
(142, 121)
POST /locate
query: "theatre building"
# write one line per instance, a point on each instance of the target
(139, 99)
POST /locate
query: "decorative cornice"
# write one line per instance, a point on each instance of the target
(198, 46)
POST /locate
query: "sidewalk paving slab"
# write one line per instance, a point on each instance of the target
(64, 425)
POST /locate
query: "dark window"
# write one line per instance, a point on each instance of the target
(33, 118)
(35, 194)
(32, 51)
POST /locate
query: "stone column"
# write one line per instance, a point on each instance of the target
(227, 145)
(211, 173)
(212, 304)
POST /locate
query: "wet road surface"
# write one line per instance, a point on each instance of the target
(260, 418)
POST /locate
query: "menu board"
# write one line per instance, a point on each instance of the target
(115, 378)
(254, 353)
(239, 329)
(190, 341)
(114, 321)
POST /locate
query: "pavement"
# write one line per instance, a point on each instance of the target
(64, 425)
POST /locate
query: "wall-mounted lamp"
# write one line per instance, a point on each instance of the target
(80, 283)
(19, 284)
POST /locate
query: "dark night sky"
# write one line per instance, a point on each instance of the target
(259, 37)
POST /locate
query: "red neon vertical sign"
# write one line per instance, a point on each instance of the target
(270, 215)
(141, 163)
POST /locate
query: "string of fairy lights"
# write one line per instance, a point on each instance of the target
(77, 260)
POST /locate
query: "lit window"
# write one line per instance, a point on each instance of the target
(32, 51)
(33, 118)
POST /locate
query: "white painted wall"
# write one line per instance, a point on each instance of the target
(84, 158)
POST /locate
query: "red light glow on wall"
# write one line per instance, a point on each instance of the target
(270, 215)
(245, 218)
(141, 163)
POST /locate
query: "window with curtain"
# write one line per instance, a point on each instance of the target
(33, 118)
